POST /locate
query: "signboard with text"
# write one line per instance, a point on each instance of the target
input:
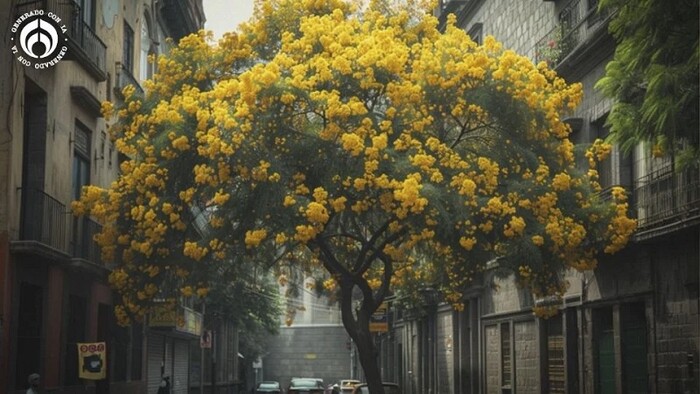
(379, 321)
(92, 360)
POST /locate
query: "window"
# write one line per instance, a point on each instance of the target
(110, 155)
(128, 54)
(146, 68)
(81, 159)
(616, 169)
(595, 16)
(29, 332)
(87, 11)
(506, 359)
(476, 33)
(81, 177)
(75, 333)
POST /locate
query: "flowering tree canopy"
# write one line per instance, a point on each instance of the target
(364, 142)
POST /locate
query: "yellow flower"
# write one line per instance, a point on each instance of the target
(467, 243)
(255, 237)
(338, 204)
(317, 213)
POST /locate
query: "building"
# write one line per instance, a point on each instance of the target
(53, 141)
(315, 344)
(629, 326)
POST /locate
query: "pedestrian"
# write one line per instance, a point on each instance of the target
(164, 385)
(34, 380)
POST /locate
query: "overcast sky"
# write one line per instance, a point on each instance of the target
(225, 15)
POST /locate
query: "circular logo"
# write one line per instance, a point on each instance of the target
(38, 39)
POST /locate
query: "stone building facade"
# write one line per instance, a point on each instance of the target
(53, 141)
(632, 325)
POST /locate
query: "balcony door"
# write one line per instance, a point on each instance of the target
(81, 177)
(33, 162)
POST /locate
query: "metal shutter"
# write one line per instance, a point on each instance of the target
(156, 350)
(181, 367)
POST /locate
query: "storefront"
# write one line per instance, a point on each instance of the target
(169, 338)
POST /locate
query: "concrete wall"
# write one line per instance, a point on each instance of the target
(310, 352)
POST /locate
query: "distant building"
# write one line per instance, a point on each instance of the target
(53, 141)
(315, 345)
(629, 326)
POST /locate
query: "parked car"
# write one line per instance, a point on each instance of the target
(389, 388)
(305, 386)
(268, 387)
(343, 386)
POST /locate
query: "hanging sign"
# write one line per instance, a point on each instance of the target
(379, 321)
(92, 360)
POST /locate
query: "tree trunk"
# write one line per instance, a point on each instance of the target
(358, 329)
(368, 360)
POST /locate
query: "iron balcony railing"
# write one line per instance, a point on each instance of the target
(83, 43)
(124, 78)
(83, 243)
(577, 21)
(43, 219)
(665, 196)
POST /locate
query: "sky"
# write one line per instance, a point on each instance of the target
(225, 15)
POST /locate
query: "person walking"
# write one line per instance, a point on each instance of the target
(34, 380)
(164, 385)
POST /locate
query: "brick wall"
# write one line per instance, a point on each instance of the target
(517, 24)
(676, 322)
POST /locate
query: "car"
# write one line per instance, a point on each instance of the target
(268, 387)
(305, 386)
(343, 386)
(389, 388)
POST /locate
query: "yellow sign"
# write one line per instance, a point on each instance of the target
(92, 360)
(163, 316)
(379, 321)
(180, 318)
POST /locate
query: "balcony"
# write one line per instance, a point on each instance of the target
(43, 226)
(84, 45)
(183, 17)
(667, 200)
(580, 26)
(83, 244)
(124, 78)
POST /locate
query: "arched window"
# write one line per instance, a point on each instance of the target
(146, 68)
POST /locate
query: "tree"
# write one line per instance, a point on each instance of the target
(363, 142)
(653, 77)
